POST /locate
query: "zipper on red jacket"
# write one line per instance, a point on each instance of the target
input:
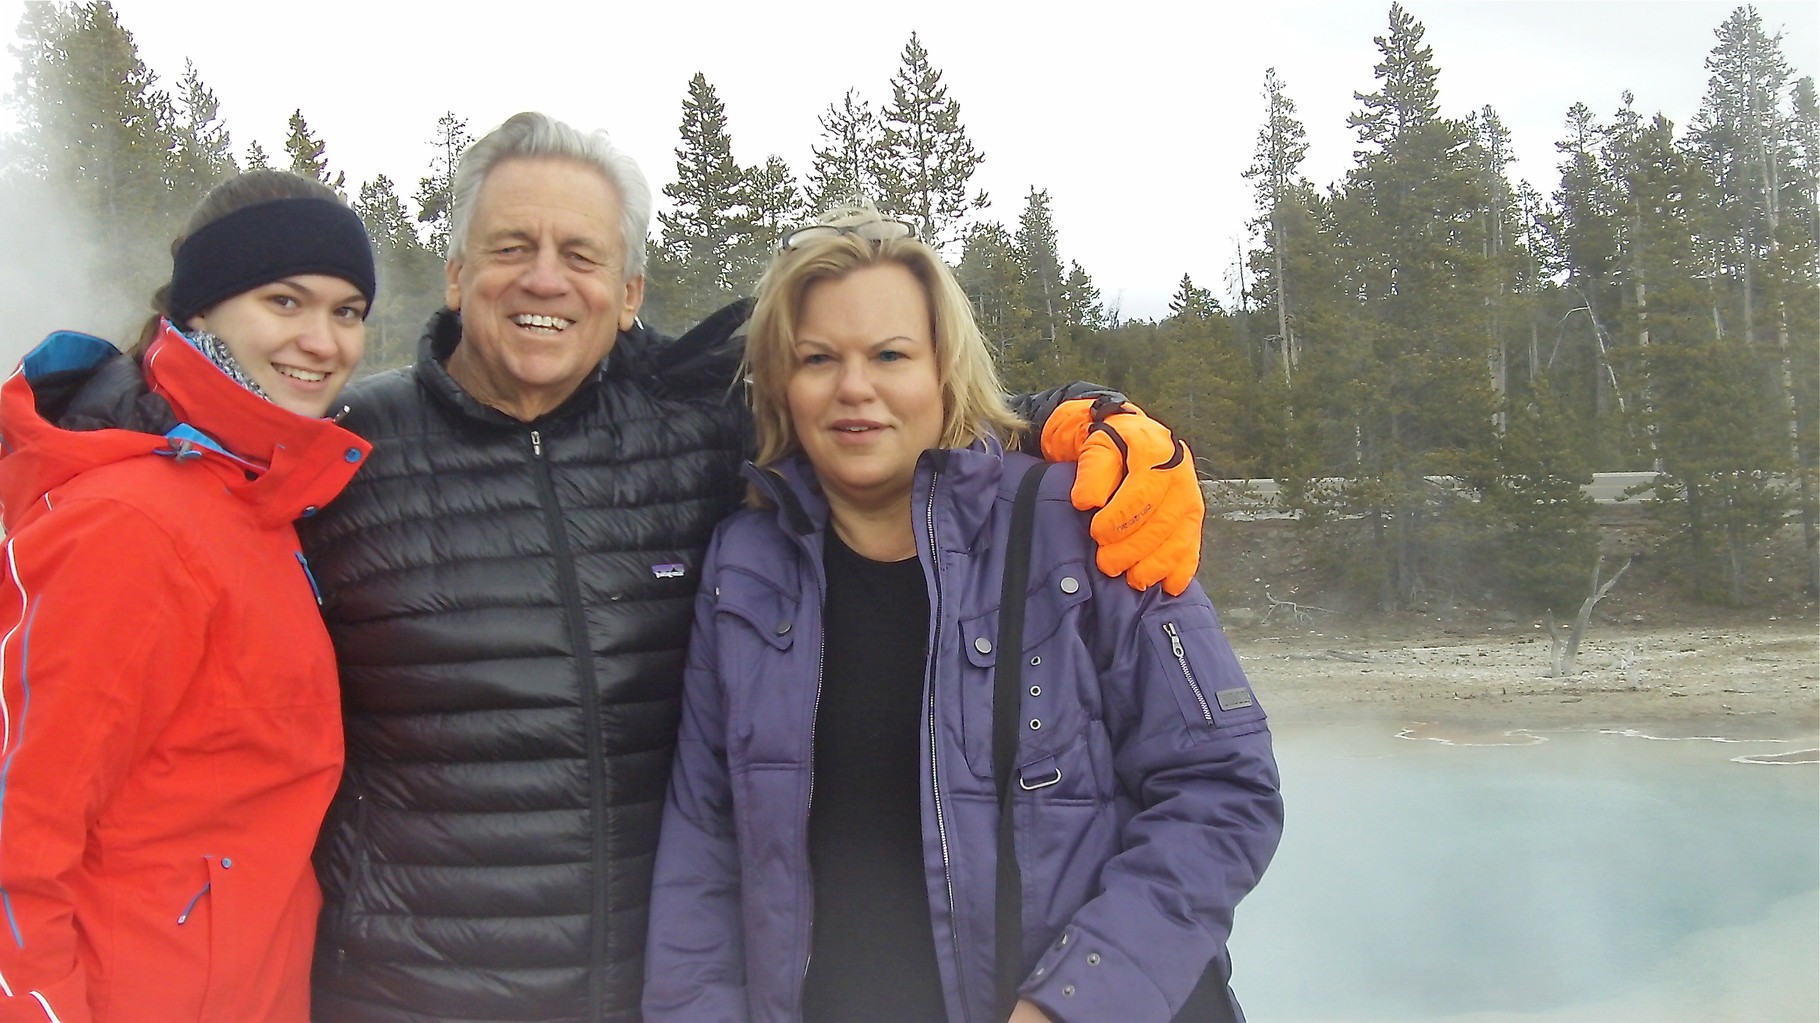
(315, 590)
(935, 774)
(583, 651)
(183, 917)
(1181, 658)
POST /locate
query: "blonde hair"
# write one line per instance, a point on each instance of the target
(973, 402)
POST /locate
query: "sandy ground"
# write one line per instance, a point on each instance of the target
(1755, 679)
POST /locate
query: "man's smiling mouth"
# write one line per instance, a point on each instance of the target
(542, 324)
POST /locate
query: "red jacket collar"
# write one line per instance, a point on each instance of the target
(283, 464)
(306, 461)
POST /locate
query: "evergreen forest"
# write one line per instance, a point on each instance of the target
(1425, 352)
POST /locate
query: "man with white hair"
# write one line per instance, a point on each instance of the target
(509, 582)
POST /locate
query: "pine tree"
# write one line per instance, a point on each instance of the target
(1749, 141)
(770, 204)
(1583, 231)
(1192, 302)
(1500, 234)
(706, 225)
(1545, 539)
(1721, 454)
(1405, 394)
(410, 276)
(1804, 127)
(308, 154)
(991, 276)
(383, 212)
(204, 153)
(1040, 267)
(256, 158)
(930, 159)
(435, 196)
(1195, 379)
(1081, 301)
(849, 163)
(93, 124)
(1713, 436)
(1322, 319)
(1803, 324)
(1279, 189)
(1741, 136)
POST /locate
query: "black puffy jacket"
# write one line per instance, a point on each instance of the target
(510, 603)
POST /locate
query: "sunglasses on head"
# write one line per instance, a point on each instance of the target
(870, 230)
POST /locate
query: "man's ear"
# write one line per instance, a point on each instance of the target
(451, 292)
(635, 297)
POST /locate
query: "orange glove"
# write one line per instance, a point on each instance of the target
(1142, 479)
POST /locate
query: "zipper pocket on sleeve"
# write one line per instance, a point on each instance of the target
(1181, 659)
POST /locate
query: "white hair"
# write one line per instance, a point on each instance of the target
(532, 135)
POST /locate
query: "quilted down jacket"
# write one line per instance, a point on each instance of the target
(510, 603)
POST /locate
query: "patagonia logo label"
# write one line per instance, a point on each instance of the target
(672, 571)
(1233, 699)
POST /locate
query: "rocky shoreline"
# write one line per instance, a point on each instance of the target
(1739, 679)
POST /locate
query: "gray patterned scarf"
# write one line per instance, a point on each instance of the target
(217, 352)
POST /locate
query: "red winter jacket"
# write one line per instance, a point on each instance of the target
(171, 724)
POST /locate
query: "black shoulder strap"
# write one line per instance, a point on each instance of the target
(1005, 704)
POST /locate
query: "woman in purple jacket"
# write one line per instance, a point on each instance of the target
(829, 844)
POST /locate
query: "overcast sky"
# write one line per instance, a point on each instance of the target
(1138, 118)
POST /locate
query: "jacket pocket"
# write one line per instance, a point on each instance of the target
(1202, 672)
(345, 881)
(767, 677)
(229, 974)
(765, 611)
(1058, 689)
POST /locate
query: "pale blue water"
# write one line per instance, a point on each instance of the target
(1586, 877)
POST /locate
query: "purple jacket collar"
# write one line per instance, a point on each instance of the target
(966, 479)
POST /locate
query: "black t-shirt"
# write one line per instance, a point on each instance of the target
(872, 953)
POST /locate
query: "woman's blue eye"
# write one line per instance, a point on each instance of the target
(889, 355)
(814, 359)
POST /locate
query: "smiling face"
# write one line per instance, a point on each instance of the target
(298, 338)
(865, 395)
(540, 285)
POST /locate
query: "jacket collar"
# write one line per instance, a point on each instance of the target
(282, 464)
(442, 335)
(956, 485)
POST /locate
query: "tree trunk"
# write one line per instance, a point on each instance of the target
(1566, 652)
(1282, 289)
(1734, 538)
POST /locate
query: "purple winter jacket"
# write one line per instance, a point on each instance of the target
(1151, 805)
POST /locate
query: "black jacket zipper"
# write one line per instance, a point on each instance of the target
(583, 651)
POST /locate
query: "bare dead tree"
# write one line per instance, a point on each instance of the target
(1565, 650)
(1298, 613)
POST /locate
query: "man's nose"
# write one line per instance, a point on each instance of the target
(544, 275)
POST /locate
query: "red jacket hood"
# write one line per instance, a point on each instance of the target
(283, 464)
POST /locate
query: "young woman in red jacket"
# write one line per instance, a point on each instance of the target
(170, 727)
